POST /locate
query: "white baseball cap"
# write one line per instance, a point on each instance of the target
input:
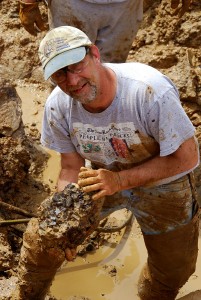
(61, 47)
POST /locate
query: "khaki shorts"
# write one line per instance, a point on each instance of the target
(112, 27)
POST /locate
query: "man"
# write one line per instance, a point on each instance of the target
(111, 24)
(128, 121)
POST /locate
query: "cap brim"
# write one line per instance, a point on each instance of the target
(64, 59)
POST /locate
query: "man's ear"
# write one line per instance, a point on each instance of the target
(95, 52)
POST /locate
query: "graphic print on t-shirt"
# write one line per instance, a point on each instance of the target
(108, 144)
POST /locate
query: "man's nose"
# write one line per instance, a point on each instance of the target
(72, 78)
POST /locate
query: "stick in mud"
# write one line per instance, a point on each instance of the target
(17, 210)
(13, 222)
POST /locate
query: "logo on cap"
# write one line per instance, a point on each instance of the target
(55, 45)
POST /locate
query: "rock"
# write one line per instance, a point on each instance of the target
(10, 107)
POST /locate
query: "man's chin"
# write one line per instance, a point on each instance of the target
(82, 100)
(83, 97)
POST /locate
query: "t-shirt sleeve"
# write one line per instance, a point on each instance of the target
(55, 131)
(168, 123)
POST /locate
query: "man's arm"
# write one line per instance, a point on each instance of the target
(106, 182)
(70, 167)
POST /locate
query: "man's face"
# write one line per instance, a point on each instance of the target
(79, 81)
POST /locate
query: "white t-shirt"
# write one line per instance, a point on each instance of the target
(145, 119)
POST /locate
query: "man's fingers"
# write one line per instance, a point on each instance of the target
(92, 188)
(83, 169)
(99, 195)
(102, 182)
(87, 173)
(87, 181)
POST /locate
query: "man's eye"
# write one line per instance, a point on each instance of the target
(59, 74)
(74, 68)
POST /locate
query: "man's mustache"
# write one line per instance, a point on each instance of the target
(78, 86)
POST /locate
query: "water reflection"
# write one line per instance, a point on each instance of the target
(104, 273)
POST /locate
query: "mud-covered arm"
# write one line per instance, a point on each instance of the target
(106, 182)
(180, 10)
(70, 166)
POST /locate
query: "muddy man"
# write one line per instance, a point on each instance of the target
(127, 120)
(110, 24)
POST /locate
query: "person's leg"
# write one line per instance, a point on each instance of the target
(168, 217)
(115, 37)
(112, 27)
(77, 13)
(171, 261)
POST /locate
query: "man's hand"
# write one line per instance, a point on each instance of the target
(103, 181)
(30, 16)
(180, 11)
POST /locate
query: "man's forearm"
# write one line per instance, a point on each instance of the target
(66, 177)
(149, 172)
(184, 159)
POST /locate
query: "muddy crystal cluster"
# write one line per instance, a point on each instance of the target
(70, 214)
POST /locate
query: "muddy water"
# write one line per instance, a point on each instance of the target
(112, 271)
(109, 273)
(90, 277)
(33, 101)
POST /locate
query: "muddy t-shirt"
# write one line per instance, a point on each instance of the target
(145, 119)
